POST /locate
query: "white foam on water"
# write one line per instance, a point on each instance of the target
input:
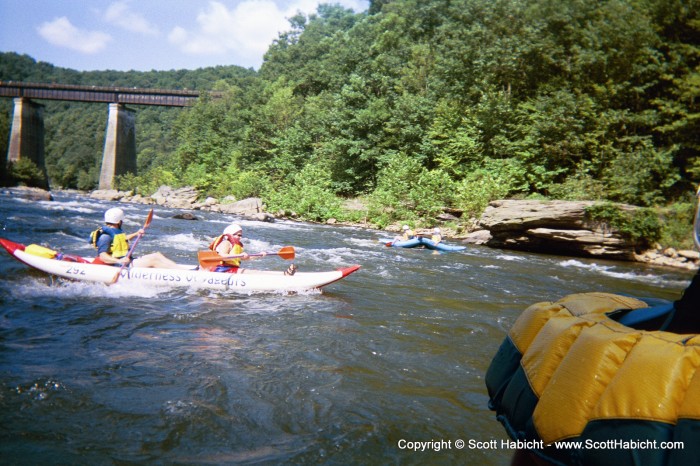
(338, 256)
(71, 206)
(366, 242)
(506, 257)
(257, 224)
(611, 271)
(39, 288)
(187, 242)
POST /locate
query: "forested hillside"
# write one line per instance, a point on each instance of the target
(75, 131)
(418, 105)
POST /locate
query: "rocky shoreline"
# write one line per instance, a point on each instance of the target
(562, 227)
(550, 227)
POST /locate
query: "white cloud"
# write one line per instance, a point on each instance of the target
(121, 14)
(247, 30)
(62, 33)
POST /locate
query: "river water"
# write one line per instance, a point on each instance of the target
(395, 353)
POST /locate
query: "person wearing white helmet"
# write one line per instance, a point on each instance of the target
(113, 245)
(226, 244)
(229, 244)
(406, 234)
(437, 236)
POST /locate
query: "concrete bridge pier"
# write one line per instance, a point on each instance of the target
(119, 156)
(27, 137)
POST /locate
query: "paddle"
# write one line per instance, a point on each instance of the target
(211, 258)
(131, 249)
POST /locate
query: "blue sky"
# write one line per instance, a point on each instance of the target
(146, 35)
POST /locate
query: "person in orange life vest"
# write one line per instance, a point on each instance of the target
(229, 244)
(113, 245)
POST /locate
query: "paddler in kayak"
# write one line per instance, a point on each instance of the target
(113, 245)
(229, 244)
(406, 234)
(437, 236)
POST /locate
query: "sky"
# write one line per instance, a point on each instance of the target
(145, 35)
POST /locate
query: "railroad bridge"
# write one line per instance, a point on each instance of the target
(119, 155)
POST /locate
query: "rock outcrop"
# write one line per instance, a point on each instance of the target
(181, 198)
(561, 227)
(249, 206)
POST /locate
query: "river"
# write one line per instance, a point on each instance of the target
(392, 355)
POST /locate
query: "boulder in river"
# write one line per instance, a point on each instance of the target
(249, 206)
(31, 194)
(185, 216)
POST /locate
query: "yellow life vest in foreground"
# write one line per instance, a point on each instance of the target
(568, 372)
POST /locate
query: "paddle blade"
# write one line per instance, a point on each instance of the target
(148, 219)
(208, 258)
(287, 252)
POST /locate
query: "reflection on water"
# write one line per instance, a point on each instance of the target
(92, 374)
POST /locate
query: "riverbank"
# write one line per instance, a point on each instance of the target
(253, 209)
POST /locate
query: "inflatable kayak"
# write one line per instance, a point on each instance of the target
(578, 381)
(426, 243)
(409, 243)
(80, 268)
(429, 244)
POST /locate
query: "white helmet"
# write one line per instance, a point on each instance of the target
(405, 227)
(233, 229)
(436, 230)
(114, 215)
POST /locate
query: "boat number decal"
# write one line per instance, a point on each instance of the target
(75, 271)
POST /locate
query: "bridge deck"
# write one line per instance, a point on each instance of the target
(80, 93)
